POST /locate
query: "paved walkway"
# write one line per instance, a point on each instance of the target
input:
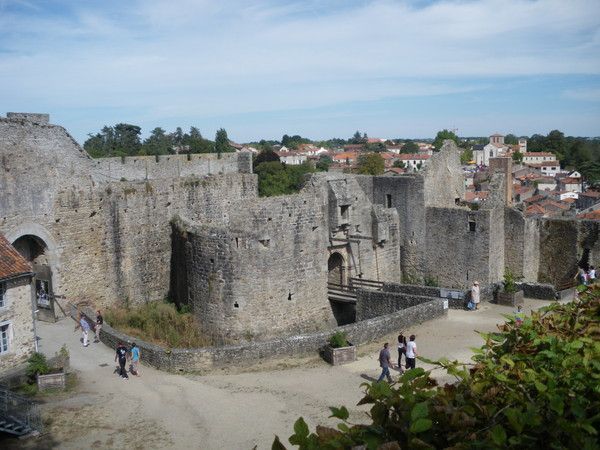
(227, 410)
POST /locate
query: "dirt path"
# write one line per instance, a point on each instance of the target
(225, 410)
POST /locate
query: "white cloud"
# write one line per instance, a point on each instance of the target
(206, 57)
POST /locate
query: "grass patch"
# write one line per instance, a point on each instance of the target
(159, 323)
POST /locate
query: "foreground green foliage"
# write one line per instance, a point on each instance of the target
(531, 386)
(159, 323)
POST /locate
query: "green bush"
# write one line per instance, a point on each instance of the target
(510, 282)
(37, 364)
(158, 322)
(339, 340)
(534, 384)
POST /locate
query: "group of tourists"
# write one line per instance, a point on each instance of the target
(86, 328)
(408, 349)
(586, 277)
(123, 354)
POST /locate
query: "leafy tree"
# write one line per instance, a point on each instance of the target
(511, 139)
(466, 156)
(399, 163)
(297, 175)
(222, 142)
(158, 143)
(410, 147)
(441, 136)
(127, 138)
(517, 157)
(273, 179)
(324, 162)
(266, 156)
(536, 143)
(196, 142)
(534, 384)
(177, 137)
(376, 147)
(356, 138)
(555, 143)
(370, 164)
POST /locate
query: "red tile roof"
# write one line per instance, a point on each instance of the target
(594, 215)
(12, 264)
(411, 156)
(593, 194)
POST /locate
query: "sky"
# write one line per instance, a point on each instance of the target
(318, 68)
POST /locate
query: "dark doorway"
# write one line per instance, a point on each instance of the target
(335, 269)
(34, 250)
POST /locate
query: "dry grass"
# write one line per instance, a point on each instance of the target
(159, 323)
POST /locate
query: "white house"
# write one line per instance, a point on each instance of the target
(17, 339)
(483, 153)
(292, 158)
(522, 145)
(414, 161)
(549, 168)
(538, 157)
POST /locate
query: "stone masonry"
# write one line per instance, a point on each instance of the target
(193, 228)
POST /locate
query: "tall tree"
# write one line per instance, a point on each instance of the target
(127, 138)
(409, 147)
(442, 136)
(158, 143)
(511, 139)
(370, 164)
(222, 142)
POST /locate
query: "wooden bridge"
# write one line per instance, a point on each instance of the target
(346, 293)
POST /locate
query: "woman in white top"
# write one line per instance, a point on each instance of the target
(411, 352)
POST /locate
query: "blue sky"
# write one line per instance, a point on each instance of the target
(321, 69)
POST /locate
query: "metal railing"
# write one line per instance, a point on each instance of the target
(22, 413)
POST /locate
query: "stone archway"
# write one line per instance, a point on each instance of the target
(36, 245)
(336, 270)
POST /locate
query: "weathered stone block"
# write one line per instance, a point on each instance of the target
(510, 299)
(338, 356)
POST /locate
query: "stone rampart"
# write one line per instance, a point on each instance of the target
(250, 354)
(135, 168)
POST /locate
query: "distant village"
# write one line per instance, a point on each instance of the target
(540, 187)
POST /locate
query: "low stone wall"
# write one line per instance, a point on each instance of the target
(205, 359)
(413, 289)
(371, 304)
(17, 376)
(538, 290)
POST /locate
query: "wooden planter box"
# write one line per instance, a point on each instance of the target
(51, 381)
(337, 356)
(512, 299)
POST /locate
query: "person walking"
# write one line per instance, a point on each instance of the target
(85, 329)
(385, 363)
(135, 359)
(401, 350)
(411, 352)
(99, 323)
(475, 295)
(121, 355)
(592, 275)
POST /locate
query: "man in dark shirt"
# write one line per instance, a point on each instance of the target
(122, 357)
(385, 363)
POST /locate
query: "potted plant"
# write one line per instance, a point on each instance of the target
(339, 350)
(510, 295)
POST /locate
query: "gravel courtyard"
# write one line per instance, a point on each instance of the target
(229, 409)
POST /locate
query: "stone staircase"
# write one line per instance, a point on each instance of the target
(19, 416)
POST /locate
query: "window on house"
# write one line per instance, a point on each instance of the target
(472, 225)
(388, 200)
(4, 341)
(2, 295)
